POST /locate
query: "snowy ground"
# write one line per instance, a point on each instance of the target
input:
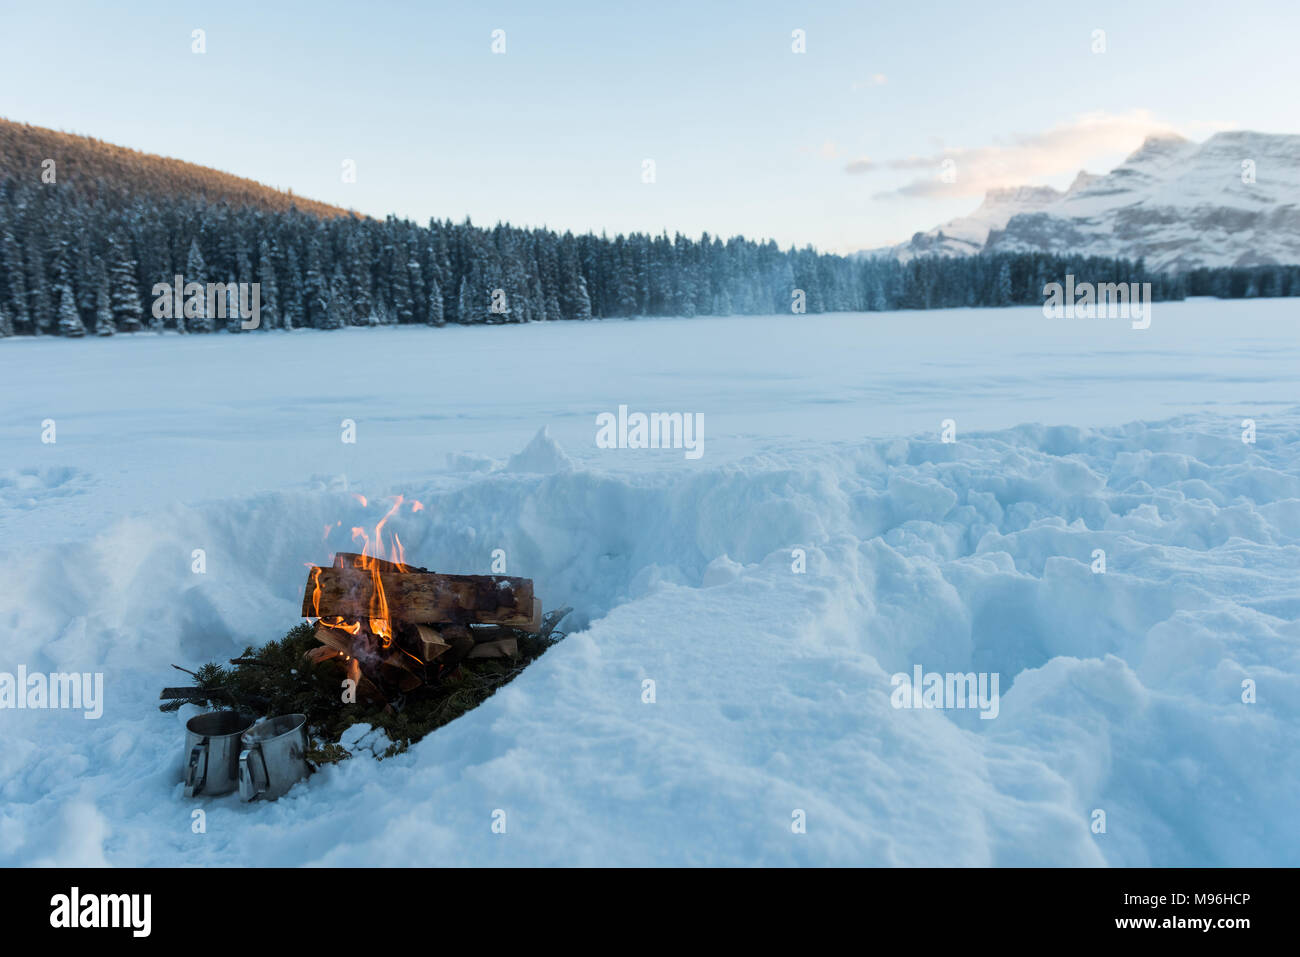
(1120, 691)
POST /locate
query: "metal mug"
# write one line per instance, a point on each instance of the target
(274, 757)
(212, 743)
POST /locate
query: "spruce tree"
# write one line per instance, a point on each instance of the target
(195, 272)
(1002, 294)
(104, 313)
(16, 274)
(465, 302)
(38, 290)
(338, 311)
(292, 312)
(580, 299)
(234, 320)
(70, 324)
(316, 293)
(435, 314)
(268, 288)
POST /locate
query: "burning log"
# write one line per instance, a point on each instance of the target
(420, 597)
(398, 626)
(356, 560)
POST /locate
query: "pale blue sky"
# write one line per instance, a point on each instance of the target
(747, 136)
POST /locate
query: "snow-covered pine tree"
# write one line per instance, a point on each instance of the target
(195, 271)
(6, 324)
(1002, 292)
(88, 277)
(363, 306)
(415, 282)
(338, 311)
(316, 297)
(292, 311)
(104, 312)
(581, 301)
(268, 289)
(625, 292)
(435, 313)
(14, 271)
(38, 292)
(475, 299)
(400, 291)
(465, 301)
(234, 321)
(536, 299)
(70, 324)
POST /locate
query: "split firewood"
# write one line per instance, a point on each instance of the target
(459, 651)
(485, 633)
(396, 672)
(502, 648)
(422, 597)
(431, 643)
(366, 689)
(542, 629)
(335, 638)
(535, 619)
(323, 653)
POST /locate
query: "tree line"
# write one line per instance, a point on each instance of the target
(87, 261)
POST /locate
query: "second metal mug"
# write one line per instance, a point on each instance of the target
(273, 758)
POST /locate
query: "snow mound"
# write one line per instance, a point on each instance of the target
(542, 456)
(730, 662)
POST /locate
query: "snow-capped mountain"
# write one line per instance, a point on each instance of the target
(967, 235)
(1233, 200)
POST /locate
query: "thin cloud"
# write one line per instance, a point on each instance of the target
(876, 79)
(1024, 158)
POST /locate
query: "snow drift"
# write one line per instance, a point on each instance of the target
(1121, 692)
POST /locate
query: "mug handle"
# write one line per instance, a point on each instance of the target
(196, 773)
(248, 786)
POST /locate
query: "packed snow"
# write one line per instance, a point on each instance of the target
(827, 540)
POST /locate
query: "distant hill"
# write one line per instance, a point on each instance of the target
(1232, 201)
(88, 165)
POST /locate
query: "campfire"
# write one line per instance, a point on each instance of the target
(420, 648)
(396, 627)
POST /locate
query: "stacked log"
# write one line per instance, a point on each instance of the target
(434, 621)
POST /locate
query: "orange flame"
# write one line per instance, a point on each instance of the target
(372, 557)
(373, 554)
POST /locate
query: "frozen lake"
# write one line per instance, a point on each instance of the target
(144, 421)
